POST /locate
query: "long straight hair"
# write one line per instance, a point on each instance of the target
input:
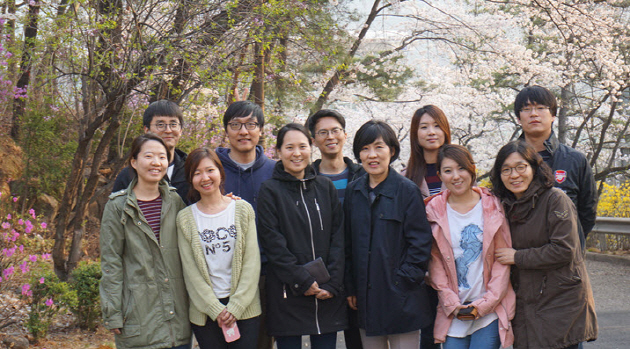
(417, 165)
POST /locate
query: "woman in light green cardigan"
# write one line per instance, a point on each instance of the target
(220, 257)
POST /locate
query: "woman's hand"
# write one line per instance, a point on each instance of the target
(352, 302)
(232, 196)
(505, 255)
(226, 319)
(323, 294)
(313, 290)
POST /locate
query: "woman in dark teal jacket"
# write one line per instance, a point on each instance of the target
(388, 245)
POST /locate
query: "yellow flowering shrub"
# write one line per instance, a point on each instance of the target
(614, 201)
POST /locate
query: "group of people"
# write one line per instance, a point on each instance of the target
(419, 259)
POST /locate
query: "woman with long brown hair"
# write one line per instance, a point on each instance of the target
(429, 132)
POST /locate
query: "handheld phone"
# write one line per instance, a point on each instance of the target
(231, 333)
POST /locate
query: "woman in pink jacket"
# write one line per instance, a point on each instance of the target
(476, 300)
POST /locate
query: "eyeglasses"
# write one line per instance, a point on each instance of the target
(539, 109)
(507, 171)
(162, 126)
(324, 133)
(235, 126)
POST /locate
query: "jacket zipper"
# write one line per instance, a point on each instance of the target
(310, 228)
(321, 224)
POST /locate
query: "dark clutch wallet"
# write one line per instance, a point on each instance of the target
(318, 270)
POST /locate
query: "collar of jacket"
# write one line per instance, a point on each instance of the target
(281, 174)
(517, 209)
(492, 210)
(179, 158)
(131, 203)
(551, 144)
(353, 168)
(388, 187)
(226, 160)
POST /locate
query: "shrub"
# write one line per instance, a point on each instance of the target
(47, 297)
(85, 281)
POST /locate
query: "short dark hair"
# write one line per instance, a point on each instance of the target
(370, 132)
(460, 155)
(542, 172)
(242, 109)
(162, 108)
(291, 127)
(136, 147)
(311, 122)
(192, 163)
(535, 94)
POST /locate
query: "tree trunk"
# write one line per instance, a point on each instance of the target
(30, 35)
(562, 115)
(258, 85)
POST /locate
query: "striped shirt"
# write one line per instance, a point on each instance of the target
(152, 211)
(340, 181)
(433, 180)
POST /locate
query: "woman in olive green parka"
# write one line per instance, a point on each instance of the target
(143, 296)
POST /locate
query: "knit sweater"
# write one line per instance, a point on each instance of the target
(244, 300)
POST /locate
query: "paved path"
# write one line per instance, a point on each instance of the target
(610, 279)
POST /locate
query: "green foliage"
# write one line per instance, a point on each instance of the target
(46, 297)
(85, 282)
(47, 149)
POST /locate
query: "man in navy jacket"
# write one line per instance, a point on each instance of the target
(535, 108)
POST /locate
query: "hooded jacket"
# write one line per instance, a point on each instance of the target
(246, 183)
(177, 180)
(142, 288)
(573, 174)
(554, 301)
(388, 246)
(499, 297)
(300, 220)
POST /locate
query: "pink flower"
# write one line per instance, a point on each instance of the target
(44, 225)
(46, 256)
(49, 302)
(6, 225)
(32, 257)
(32, 213)
(15, 199)
(8, 271)
(24, 267)
(15, 235)
(20, 221)
(29, 227)
(25, 289)
(9, 252)
(21, 248)
(9, 216)
(0, 279)
(41, 281)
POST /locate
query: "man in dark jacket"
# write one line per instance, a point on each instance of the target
(535, 108)
(165, 119)
(246, 167)
(327, 128)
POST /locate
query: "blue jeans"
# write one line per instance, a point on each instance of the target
(318, 341)
(483, 338)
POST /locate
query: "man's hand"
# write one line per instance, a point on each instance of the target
(323, 294)
(115, 331)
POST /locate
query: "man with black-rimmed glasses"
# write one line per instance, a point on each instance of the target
(165, 119)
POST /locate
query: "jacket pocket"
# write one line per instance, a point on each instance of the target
(130, 331)
(129, 305)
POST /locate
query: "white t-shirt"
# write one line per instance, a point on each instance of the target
(217, 234)
(467, 242)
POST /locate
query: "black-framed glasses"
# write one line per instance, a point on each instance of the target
(520, 168)
(324, 133)
(161, 126)
(538, 109)
(235, 126)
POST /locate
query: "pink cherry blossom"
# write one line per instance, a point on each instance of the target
(46, 256)
(44, 225)
(32, 257)
(41, 280)
(25, 289)
(6, 225)
(20, 221)
(9, 216)
(49, 302)
(24, 267)
(15, 199)
(8, 271)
